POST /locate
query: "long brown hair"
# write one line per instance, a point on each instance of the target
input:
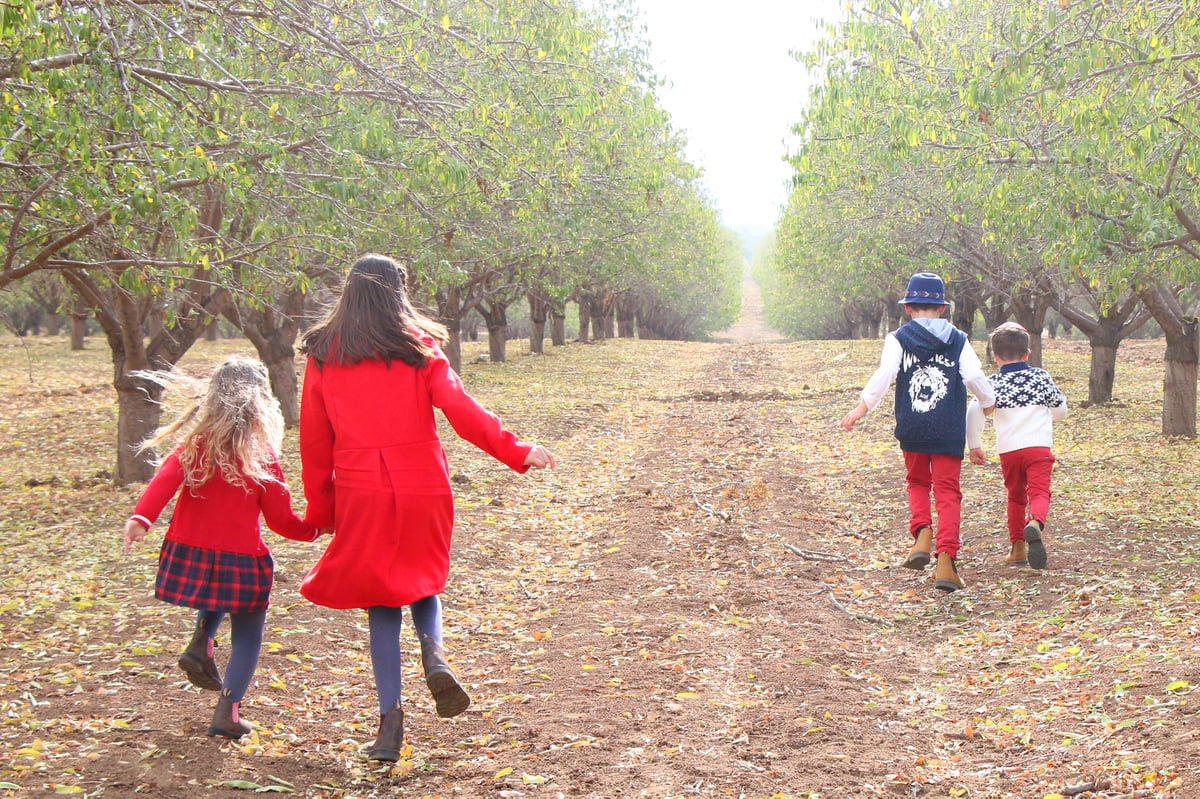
(373, 319)
(233, 426)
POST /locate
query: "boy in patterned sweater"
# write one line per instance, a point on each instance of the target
(1028, 403)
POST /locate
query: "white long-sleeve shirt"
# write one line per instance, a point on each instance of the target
(969, 366)
(1028, 403)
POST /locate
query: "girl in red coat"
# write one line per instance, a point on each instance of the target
(213, 557)
(374, 470)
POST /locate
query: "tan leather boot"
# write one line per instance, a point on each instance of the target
(946, 578)
(390, 740)
(918, 556)
(448, 695)
(1019, 556)
(225, 719)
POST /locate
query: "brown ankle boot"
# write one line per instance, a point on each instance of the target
(946, 578)
(197, 662)
(225, 719)
(1019, 556)
(448, 695)
(390, 740)
(918, 556)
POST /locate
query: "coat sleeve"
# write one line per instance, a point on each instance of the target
(470, 420)
(276, 504)
(316, 449)
(162, 487)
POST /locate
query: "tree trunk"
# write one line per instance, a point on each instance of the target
(585, 320)
(1180, 360)
(1029, 308)
(539, 307)
(597, 311)
(273, 334)
(1179, 381)
(450, 314)
(626, 323)
(139, 411)
(495, 316)
(1102, 373)
(79, 317)
(1104, 333)
(558, 327)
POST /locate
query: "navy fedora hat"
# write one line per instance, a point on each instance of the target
(925, 288)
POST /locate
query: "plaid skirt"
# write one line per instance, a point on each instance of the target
(207, 579)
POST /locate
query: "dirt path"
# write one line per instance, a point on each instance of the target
(702, 602)
(751, 327)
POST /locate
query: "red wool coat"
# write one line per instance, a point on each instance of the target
(220, 515)
(374, 469)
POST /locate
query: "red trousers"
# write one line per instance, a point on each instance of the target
(936, 474)
(1027, 478)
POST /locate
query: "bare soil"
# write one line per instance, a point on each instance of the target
(702, 601)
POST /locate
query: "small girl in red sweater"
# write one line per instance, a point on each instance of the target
(213, 558)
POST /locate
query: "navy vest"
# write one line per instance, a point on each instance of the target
(931, 400)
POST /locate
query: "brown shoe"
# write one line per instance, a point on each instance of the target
(225, 720)
(390, 740)
(918, 556)
(197, 664)
(1037, 550)
(448, 696)
(946, 577)
(1019, 556)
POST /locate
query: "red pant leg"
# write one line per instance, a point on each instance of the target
(1012, 465)
(1039, 465)
(947, 495)
(919, 481)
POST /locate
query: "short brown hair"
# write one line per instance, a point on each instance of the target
(1010, 342)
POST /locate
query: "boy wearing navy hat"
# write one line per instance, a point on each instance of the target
(933, 365)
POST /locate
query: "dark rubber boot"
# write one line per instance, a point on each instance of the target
(448, 695)
(391, 736)
(225, 720)
(198, 664)
(1037, 550)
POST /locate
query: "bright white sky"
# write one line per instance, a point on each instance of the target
(735, 92)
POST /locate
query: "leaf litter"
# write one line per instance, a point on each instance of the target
(702, 601)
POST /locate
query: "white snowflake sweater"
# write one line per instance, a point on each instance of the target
(1028, 403)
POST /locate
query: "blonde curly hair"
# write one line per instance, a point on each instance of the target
(233, 427)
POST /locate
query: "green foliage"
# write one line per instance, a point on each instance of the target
(1017, 144)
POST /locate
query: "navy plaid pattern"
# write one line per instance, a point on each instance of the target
(206, 579)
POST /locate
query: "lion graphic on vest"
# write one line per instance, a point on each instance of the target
(926, 388)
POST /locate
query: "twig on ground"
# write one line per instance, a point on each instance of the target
(861, 616)
(724, 516)
(808, 554)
